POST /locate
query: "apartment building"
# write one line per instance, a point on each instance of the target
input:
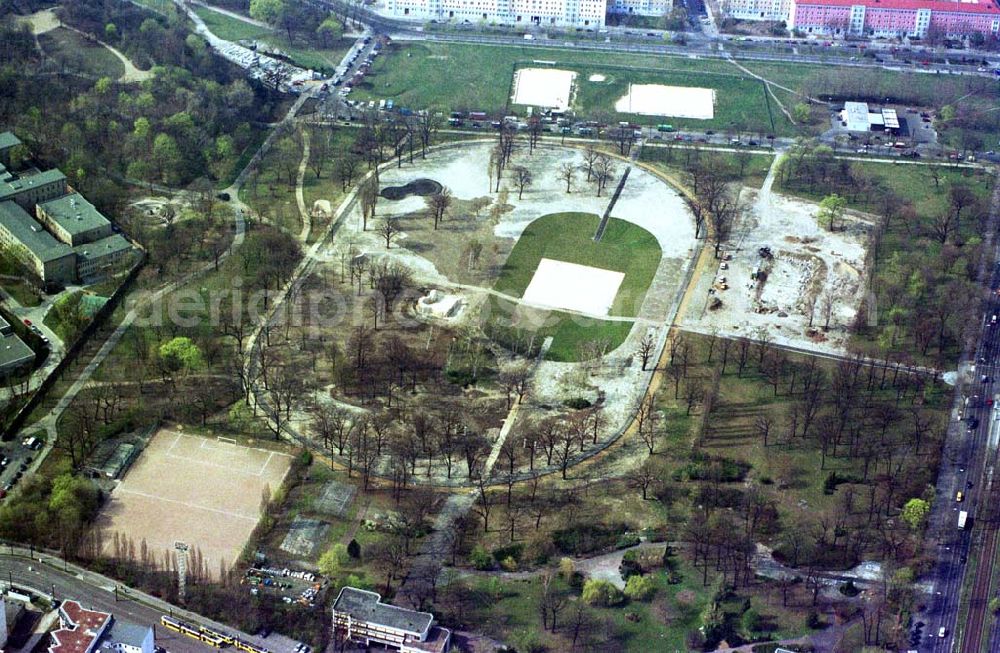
(640, 7)
(764, 10)
(91, 631)
(894, 18)
(73, 219)
(572, 13)
(21, 235)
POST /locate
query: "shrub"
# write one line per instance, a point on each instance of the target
(640, 588)
(849, 589)
(481, 559)
(577, 403)
(813, 621)
(601, 593)
(627, 540)
(354, 549)
(509, 564)
(512, 551)
(580, 539)
(566, 568)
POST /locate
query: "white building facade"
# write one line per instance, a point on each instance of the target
(641, 7)
(764, 10)
(573, 13)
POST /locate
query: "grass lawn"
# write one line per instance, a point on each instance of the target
(478, 77)
(75, 52)
(568, 237)
(303, 54)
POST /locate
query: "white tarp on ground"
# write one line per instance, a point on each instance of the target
(672, 101)
(544, 87)
(569, 286)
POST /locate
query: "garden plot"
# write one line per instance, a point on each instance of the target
(544, 87)
(568, 286)
(670, 101)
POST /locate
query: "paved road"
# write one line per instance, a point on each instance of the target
(54, 577)
(968, 457)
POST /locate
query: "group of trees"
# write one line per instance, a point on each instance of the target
(923, 258)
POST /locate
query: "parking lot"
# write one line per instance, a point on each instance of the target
(15, 457)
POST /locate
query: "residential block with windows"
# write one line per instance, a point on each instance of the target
(765, 10)
(895, 18)
(66, 239)
(360, 616)
(572, 13)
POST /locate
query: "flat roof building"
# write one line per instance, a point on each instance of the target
(27, 240)
(360, 616)
(28, 190)
(855, 114)
(8, 141)
(88, 631)
(103, 256)
(73, 220)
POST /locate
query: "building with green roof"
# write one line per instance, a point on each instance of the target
(29, 190)
(27, 240)
(104, 256)
(8, 142)
(73, 220)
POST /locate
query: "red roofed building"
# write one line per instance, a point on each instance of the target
(894, 18)
(89, 631)
(79, 629)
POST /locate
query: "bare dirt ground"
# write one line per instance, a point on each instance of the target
(197, 490)
(811, 268)
(435, 257)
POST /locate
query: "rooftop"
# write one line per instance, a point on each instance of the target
(368, 606)
(13, 351)
(123, 632)
(73, 213)
(102, 247)
(973, 7)
(8, 140)
(81, 628)
(31, 233)
(19, 184)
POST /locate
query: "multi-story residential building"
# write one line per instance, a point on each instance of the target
(776, 10)
(895, 18)
(640, 7)
(360, 616)
(576, 13)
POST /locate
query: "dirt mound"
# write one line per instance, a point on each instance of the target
(422, 187)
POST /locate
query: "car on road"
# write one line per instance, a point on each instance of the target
(960, 496)
(973, 423)
(27, 322)
(942, 632)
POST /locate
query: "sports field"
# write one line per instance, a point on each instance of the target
(198, 490)
(625, 248)
(452, 76)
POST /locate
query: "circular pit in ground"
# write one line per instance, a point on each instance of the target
(420, 187)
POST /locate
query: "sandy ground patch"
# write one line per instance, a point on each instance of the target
(42, 21)
(433, 256)
(596, 78)
(582, 288)
(196, 490)
(811, 267)
(543, 87)
(672, 101)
